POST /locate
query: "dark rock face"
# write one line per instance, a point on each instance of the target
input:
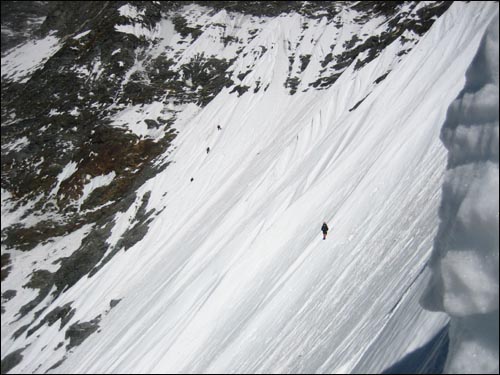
(79, 332)
(88, 139)
(11, 360)
(114, 302)
(64, 313)
(5, 265)
(7, 296)
(42, 280)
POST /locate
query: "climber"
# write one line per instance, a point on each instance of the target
(324, 229)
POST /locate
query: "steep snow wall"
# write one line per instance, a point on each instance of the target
(465, 256)
(233, 275)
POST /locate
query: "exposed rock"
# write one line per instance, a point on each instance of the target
(42, 280)
(114, 302)
(358, 103)
(58, 363)
(64, 313)
(7, 296)
(11, 360)
(6, 268)
(79, 332)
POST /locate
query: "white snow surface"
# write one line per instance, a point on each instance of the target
(130, 11)
(22, 61)
(81, 35)
(95, 183)
(465, 257)
(134, 16)
(133, 118)
(233, 275)
(18, 144)
(66, 173)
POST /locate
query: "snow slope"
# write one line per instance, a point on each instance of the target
(233, 275)
(25, 59)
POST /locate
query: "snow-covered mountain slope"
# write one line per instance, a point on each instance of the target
(148, 241)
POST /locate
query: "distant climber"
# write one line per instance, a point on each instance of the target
(324, 229)
(218, 127)
(208, 150)
(192, 179)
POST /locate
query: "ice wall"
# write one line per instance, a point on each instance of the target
(465, 256)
